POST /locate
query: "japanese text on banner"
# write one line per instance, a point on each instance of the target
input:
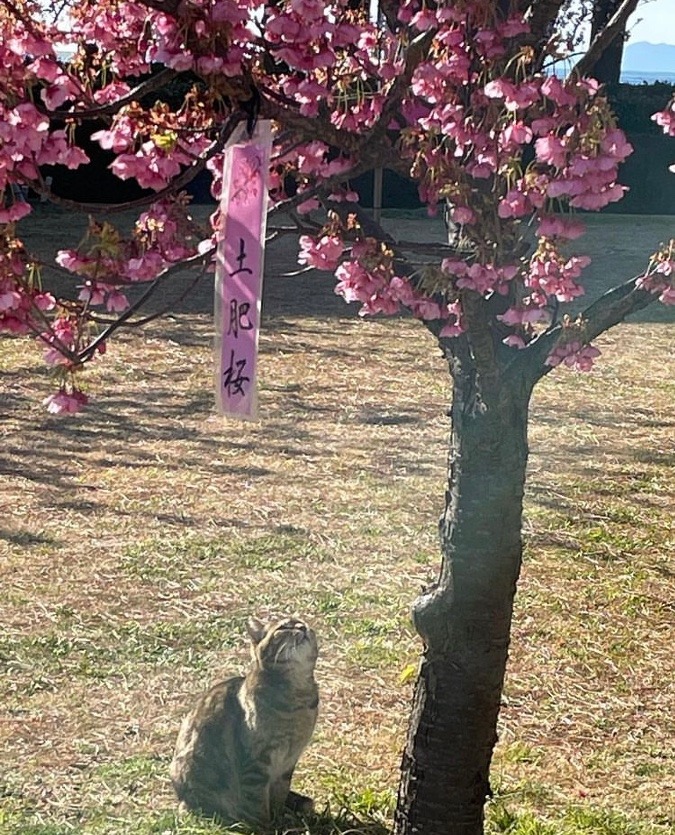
(239, 273)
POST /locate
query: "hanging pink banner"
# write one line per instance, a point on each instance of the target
(239, 272)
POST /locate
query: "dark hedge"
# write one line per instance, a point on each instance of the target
(645, 172)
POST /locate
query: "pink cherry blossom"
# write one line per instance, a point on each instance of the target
(66, 402)
(14, 212)
(523, 315)
(454, 267)
(517, 133)
(553, 88)
(402, 290)
(475, 120)
(427, 309)
(667, 296)
(113, 92)
(71, 260)
(514, 204)
(121, 137)
(322, 254)
(666, 119)
(60, 340)
(516, 97)
(424, 19)
(428, 83)
(9, 300)
(63, 89)
(454, 326)
(307, 206)
(116, 302)
(366, 278)
(44, 301)
(615, 146)
(92, 293)
(660, 277)
(46, 69)
(514, 340)
(462, 214)
(551, 150)
(513, 26)
(574, 355)
(56, 150)
(553, 275)
(145, 267)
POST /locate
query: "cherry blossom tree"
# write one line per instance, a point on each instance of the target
(456, 95)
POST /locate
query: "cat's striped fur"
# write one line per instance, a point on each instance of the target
(237, 749)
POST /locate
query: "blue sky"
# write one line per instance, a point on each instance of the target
(654, 21)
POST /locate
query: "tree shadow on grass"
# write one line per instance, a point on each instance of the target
(26, 538)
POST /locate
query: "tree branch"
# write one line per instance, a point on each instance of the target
(609, 310)
(176, 184)
(124, 317)
(542, 15)
(613, 29)
(324, 188)
(154, 82)
(27, 20)
(151, 317)
(309, 129)
(613, 307)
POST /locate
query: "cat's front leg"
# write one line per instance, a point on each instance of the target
(279, 791)
(255, 804)
(282, 797)
(301, 804)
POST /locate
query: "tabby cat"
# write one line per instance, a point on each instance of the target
(237, 749)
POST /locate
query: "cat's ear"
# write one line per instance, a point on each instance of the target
(256, 630)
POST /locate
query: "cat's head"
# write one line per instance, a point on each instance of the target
(288, 644)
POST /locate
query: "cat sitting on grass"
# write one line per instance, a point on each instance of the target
(237, 749)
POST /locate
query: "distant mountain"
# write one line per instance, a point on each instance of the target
(648, 57)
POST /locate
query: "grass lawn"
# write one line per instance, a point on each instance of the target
(135, 540)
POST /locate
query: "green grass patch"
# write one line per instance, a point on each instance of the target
(189, 555)
(577, 820)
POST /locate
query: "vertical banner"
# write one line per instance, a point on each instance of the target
(239, 272)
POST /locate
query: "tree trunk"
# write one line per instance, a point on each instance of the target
(607, 69)
(465, 619)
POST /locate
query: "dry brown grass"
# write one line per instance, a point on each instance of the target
(137, 537)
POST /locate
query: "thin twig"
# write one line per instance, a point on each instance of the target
(155, 82)
(167, 308)
(91, 349)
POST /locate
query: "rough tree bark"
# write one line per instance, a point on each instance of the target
(465, 619)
